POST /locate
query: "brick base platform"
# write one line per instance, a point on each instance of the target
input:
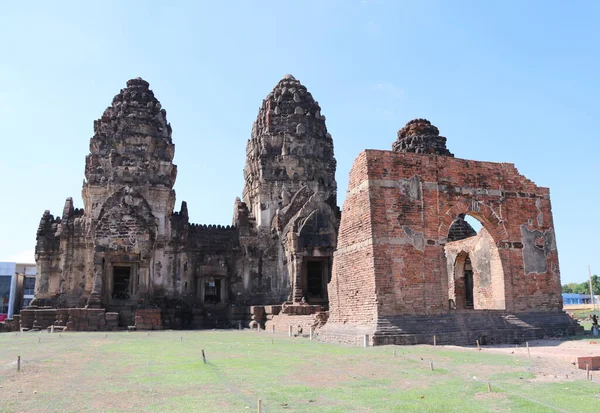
(148, 319)
(282, 322)
(74, 319)
(460, 328)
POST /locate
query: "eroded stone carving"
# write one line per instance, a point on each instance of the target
(128, 249)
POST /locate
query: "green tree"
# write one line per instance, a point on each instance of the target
(584, 287)
(569, 288)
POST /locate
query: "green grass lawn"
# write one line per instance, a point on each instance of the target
(164, 372)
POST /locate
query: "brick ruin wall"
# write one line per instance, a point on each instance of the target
(354, 297)
(396, 218)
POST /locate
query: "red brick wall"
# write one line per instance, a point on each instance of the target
(399, 207)
(352, 286)
(148, 319)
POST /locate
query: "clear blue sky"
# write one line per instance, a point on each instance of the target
(505, 81)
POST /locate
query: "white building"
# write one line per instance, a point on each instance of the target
(8, 287)
(17, 284)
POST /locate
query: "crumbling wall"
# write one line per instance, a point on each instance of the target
(352, 290)
(400, 208)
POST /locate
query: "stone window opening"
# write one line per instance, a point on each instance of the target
(121, 283)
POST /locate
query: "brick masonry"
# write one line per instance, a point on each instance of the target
(148, 319)
(393, 257)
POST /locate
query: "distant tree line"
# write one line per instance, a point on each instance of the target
(584, 287)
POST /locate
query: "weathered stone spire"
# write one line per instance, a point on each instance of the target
(132, 141)
(289, 149)
(420, 136)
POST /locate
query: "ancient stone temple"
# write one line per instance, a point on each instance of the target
(408, 266)
(128, 251)
(401, 265)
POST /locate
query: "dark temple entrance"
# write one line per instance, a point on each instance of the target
(314, 278)
(469, 303)
(212, 291)
(316, 281)
(121, 283)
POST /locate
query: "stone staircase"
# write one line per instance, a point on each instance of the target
(466, 327)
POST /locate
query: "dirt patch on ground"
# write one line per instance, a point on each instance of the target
(552, 360)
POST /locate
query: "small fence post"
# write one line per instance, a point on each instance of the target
(18, 363)
(289, 331)
(366, 341)
(587, 370)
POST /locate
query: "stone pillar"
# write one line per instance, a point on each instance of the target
(298, 292)
(42, 282)
(95, 300)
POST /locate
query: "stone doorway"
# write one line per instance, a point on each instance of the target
(316, 279)
(121, 283)
(212, 291)
(468, 280)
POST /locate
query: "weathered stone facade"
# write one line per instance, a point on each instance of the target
(402, 266)
(408, 267)
(128, 250)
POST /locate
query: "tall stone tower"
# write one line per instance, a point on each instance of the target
(290, 193)
(112, 252)
(289, 149)
(127, 249)
(132, 147)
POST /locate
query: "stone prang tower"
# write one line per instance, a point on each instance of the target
(132, 147)
(127, 250)
(110, 253)
(290, 192)
(289, 149)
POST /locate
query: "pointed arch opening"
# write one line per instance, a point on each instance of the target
(474, 267)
